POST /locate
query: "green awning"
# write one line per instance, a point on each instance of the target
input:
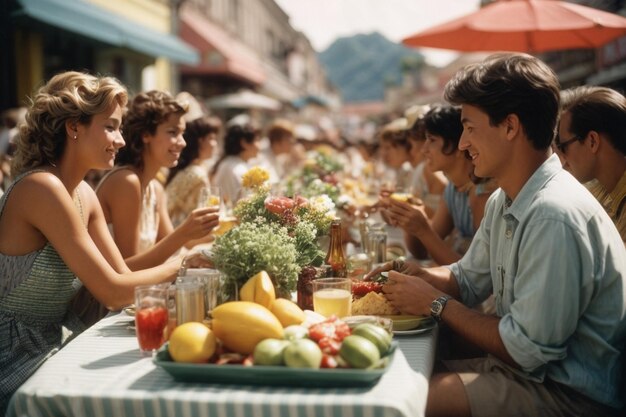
(97, 23)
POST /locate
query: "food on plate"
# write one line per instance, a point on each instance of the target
(241, 325)
(192, 342)
(361, 288)
(373, 303)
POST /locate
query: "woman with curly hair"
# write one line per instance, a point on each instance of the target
(191, 174)
(52, 228)
(133, 200)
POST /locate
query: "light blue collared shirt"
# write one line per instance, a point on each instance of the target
(557, 267)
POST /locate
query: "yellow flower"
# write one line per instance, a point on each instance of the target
(255, 177)
(325, 150)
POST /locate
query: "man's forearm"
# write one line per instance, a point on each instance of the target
(477, 328)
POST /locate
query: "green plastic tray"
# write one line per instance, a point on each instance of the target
(271, 375)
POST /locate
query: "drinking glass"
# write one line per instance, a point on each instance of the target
(211, 280)
(189, 299)
(151, 317)
(209, 197)
(377, 246)
(332, 296)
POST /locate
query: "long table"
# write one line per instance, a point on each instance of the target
(101, 373)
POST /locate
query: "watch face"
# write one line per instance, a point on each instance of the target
(436, 307)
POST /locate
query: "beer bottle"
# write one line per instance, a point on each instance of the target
(335, 258)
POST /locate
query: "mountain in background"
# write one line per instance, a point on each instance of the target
(360, 66)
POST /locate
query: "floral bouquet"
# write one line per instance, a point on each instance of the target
(318, 176)
(256, 246)
(276, 234)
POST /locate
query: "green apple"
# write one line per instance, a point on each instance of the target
(269, 352)
(303, 353)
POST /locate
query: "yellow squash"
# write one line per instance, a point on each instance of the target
(240, 325)
(259, 289)
(287, 312)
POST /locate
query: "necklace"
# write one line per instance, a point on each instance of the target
(79, 205)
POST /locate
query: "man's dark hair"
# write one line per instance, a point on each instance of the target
(505, 84)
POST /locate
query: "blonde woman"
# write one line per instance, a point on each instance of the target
(52, 228)
(133, 200)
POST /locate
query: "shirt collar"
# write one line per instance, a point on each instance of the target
(618, 194)
(540, 177)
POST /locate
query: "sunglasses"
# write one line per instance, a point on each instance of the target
(562, 146)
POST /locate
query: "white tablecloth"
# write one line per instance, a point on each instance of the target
(101, 373)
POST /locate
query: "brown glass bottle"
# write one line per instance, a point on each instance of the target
(335, 258)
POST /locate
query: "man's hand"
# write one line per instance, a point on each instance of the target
(410, 294)
(409, 267)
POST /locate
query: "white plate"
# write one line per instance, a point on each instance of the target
(423, 329)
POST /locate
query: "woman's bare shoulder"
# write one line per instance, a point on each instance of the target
(122, 180)
(39, 185)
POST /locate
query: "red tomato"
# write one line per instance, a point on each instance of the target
(329, 345)
(361, 288)
(321, 330)
(328, 361)
(342, 330)
(331, 327)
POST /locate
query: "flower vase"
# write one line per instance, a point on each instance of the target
(229, 291)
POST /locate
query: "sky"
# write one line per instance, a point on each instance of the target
(323, 21)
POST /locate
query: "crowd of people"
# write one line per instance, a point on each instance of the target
(517, 195)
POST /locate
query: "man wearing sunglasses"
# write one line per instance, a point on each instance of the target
(592, 145)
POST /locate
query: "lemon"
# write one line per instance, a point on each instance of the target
(192, 342)
(287, 312)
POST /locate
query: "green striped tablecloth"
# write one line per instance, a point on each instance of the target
(101, 373)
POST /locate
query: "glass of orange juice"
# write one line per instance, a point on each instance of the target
(209, 197)
(332, 296)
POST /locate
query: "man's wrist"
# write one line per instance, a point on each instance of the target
(437, 307)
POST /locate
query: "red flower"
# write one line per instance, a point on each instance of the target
(278, 205)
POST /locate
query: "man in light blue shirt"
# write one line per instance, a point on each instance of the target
(547, 251)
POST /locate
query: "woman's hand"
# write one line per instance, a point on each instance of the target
(199, 223)
(411, 217)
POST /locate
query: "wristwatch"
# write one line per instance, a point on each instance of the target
(437, 306)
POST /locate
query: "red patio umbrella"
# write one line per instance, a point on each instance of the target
(524, 26)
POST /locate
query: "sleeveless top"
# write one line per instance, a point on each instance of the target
(420, 188)
(149, 218)
(35, 293)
